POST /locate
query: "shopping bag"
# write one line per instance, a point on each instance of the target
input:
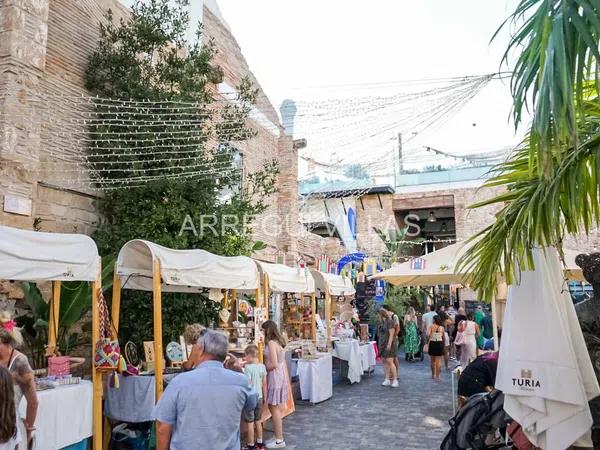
(107, 351)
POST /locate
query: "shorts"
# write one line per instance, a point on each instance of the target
(253, 415)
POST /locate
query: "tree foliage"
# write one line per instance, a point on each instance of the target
(148, 58)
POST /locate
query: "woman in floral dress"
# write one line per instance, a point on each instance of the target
(411, 337)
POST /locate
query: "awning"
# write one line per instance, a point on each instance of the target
(36, 256)
(434, 268)
(544, 368)
(439, 267)
(183, 270)
(336, 285)
(283, 278)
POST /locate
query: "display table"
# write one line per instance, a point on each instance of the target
(350, 351)
(133, 401)
(64, 416)
(316, 384)
(368, 356)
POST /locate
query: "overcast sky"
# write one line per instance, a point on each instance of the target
(291, 45)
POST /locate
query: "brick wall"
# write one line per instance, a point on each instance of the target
(371, 213)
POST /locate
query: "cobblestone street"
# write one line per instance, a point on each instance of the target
(370, 416)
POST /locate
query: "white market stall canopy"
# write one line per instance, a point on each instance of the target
(283, 278)
(335, 285)
(37, 256)
(439, 267)
(183, 270)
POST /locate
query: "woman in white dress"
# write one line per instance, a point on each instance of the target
(22, 375)
(468, 349)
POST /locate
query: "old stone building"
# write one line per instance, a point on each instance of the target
(44, 47)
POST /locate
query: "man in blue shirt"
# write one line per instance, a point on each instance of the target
(201, 409)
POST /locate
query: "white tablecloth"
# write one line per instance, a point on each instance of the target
(64, 416)
(316, 384)
(350, 351)
(368, 356)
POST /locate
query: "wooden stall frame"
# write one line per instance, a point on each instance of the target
(157, 316)
(97, 417)
(53, 320)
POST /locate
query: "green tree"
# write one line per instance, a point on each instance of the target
(395, 243)
(169, 84)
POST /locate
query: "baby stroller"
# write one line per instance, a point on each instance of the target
(483, 415)
(419, 355)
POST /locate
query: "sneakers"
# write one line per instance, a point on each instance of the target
(386, 383)
(275, 444)
(395, 383)
(260, 446)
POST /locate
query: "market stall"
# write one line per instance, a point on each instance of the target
(37, 256)
(345, 346)
(146, 266)
(296, 288)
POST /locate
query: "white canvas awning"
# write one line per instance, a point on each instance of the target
(440, 268)
(288, 279)
(36, 256)
(183, 270)
(544, 368)
(336, 285)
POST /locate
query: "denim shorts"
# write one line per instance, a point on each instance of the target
(253, 415)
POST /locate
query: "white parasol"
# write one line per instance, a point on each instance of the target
(544, 368)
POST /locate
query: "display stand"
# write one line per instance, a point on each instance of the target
(36, 256)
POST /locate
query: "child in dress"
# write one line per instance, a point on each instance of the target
(257, 374)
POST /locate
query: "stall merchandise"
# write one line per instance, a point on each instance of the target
(294, 284)
(38, 256)
(329, 285)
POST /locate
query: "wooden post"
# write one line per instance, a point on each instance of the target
(313, 324)
(96, 375)
(54, 315)
(234, 308)
(158, 347)
(266, 290)
(116, 299)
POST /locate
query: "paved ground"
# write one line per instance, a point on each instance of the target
(370, 416)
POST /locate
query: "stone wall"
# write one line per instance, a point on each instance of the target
(44, 47)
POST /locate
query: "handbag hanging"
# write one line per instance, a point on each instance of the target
(108, 353)
(459, 339)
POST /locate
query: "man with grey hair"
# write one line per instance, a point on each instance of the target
(202, 408)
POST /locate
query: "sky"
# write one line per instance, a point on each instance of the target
(294, 46)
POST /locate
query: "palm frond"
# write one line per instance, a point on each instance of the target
(559, 56)
(539, 209)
